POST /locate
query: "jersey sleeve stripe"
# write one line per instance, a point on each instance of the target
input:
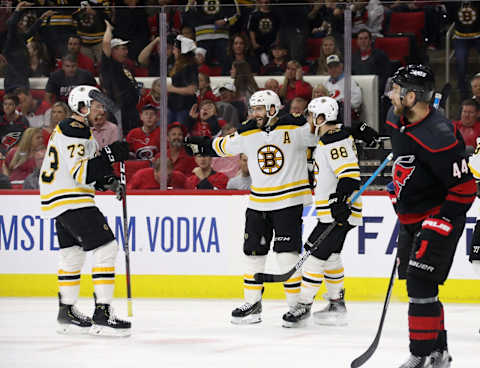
(47, 202)
(353, 175)
(67, 202)
(271, 189)
(281, 198)
(69, 190)
(346, 166)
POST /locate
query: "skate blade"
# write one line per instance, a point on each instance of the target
(301, 323)
(97, 330)
(248, 320)
(330, 320)
(70, 329)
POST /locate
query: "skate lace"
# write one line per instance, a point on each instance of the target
(298, 310)
(79, 314)
(245, 307)
(112, 319)
(412, 362)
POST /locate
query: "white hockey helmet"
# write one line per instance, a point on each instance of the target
(80, 97)
(326, 106)
(268, 99)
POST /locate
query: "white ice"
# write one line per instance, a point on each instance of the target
(197, 333)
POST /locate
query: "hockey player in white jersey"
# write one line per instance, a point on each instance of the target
(474, 164)
(70, 173)
(338, 180)
(277, 161)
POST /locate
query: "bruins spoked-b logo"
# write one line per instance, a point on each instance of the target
(270, 159)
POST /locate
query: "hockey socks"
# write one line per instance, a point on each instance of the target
(103, 271)
(69, 271)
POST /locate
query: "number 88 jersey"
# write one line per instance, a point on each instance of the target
(64, 169)
(336, 157)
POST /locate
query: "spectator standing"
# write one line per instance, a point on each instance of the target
(211, 25)
(466, 16)
(149, 178)
(150, 58)
(263, 26)
(176, 152)
(239, 51)
(20, 162)
(174, 18)
(90, 28)
(117, 80)
(31, 181)
(293, 83)
(204, 177)
(244, 81)
(104, 132)
(243, 180)
(468, 124)
(203, 67)
(39, 61)
(336, 83)
(62, 81)
(12, 124)
(84, 62)
(367, 16)
(144, 141)
(203, 120)
(36, 111)
(15, 50)
(181, 93)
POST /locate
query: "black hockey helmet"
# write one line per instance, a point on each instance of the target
(417, 78)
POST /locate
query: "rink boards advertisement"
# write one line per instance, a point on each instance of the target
(191, 246)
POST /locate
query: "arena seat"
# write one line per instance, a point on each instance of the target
(396, 48)
(313, 48)
(131, 167)
(408, 22)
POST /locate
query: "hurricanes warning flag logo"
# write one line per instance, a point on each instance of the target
(402, 171)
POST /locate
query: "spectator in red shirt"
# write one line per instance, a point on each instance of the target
(204, 177)
(293, 84)
(149, 178)
(74, 44)
(12, 124)
(144, 141)
(204, 122)
(468, 124)
(204, 89)
(152, 97)
(176, 152)
(203, 67)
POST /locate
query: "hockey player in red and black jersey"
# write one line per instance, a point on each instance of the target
(434, 190)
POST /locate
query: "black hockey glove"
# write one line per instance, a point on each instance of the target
(199, 146)
(311, 167)
(337, 203)
(366, 134)
(115, 152)
(110, 183)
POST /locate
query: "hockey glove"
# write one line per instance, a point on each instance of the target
(199, 146)
(110, 183)
(115, 152)
(366, 134)
(311, 167)
(337, 203)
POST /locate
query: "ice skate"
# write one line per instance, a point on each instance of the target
(70, 320)
(334, 314)
(440, 359)
(297, 315)
(414, 361)
(247, 314)
(105, 323)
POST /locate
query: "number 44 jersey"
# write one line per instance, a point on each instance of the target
(64, 169)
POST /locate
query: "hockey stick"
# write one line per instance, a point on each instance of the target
(438, 97)
(373, 346)
(115, 110)
(268, 277)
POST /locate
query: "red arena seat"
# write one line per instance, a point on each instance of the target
(408, 22)
(396, 48)
(131, 167)
(313, 47)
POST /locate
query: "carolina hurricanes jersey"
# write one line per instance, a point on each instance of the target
(64, 169)
(145, 146)
(336, 157)
(277, 161)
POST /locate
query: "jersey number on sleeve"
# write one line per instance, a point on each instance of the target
(49, 175)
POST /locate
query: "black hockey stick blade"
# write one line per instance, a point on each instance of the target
(373, 346)
(104, 100)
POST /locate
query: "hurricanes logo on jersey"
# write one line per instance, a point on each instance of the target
(401, 172)
(270, 159)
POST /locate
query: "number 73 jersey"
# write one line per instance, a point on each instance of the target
(277, 161)
(64, 169)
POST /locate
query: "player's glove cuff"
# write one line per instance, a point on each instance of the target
(441, 226)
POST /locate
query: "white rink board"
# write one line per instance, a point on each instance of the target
(196, 235)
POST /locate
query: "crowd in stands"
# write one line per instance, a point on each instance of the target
(72, 42)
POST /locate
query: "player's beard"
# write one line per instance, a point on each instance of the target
(261, 122)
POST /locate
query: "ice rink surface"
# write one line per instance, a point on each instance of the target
(197, 333)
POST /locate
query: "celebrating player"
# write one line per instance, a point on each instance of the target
(277, 161)
(434, 190)
(69, 175)
(338, 179)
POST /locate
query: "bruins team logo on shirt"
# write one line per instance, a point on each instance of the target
(270, 159)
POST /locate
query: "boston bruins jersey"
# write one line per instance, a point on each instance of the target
(64, 169)
(336, 157)
(277, 161)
